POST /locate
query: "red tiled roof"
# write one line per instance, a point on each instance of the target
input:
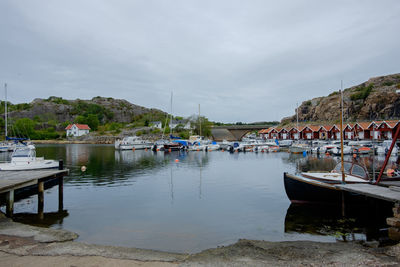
(348, 126)
(304, 127)
(315, 128)
(363, 125)
(392, 124)
(79, 126)
(269, 130)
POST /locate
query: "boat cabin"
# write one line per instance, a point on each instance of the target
(23, 154)
(352, 168)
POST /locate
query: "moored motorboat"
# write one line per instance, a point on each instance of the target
(299, 148)
(384, 148)
(24, 158)
(173, 146)
(132, 142)
(337, 150)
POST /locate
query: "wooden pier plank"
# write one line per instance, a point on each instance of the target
(11, 180)
(370, 190)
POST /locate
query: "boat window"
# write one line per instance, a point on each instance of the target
(358, 171)
(21, 153)
(347, 167)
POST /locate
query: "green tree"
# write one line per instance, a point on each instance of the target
(24, 128)
(80, 119)
(93, 121)
(205, 127)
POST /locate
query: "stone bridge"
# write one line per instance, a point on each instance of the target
(234, 132)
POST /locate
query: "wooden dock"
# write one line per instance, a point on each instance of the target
(390, 193)
(11, 181)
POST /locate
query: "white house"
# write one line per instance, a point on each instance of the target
(185, 124)
(77, 129)
(156, 124)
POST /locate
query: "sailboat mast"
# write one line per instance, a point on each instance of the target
(5, 113)
(297, 120)
(199, 122)
(341, 132)
(170, 122)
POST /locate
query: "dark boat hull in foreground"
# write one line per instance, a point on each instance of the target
(304, 190)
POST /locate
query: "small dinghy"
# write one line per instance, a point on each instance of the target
(24, 158)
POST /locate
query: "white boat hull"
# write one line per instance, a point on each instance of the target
(23, 166)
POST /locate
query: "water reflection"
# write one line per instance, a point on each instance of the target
(48, 219)
(360, 223)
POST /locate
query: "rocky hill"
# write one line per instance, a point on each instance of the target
(62, 110)
(374, 99)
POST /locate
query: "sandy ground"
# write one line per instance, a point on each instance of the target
(24, 245)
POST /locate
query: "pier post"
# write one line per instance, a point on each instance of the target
(394, 223)
(10, 203)
(40, 198)
(60, 193)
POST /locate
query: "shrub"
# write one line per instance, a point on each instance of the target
(388, 83)
(184, 135)
(308, 103)
(155, 131)
(334, 93)
(362, 93)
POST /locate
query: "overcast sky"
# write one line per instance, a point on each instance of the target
(241, 60)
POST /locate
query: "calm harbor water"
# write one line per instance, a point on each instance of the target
(149, 200)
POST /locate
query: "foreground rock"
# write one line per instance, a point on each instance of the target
(22, 245)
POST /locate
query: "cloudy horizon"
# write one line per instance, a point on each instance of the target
(242, 61)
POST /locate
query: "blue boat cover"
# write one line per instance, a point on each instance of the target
(182, 142)
(174, 137)
(16, 139)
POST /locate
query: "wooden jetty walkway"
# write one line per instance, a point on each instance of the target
(11, 181)
(388, 192)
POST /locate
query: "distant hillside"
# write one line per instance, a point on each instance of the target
(57, 112)
(374, 99)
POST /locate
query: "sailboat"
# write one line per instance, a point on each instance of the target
(319, 187)
(13, 142)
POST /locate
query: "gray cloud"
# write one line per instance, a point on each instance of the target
(242, 61)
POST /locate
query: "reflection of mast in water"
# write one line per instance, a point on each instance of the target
(172, 188)
(200, 180)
